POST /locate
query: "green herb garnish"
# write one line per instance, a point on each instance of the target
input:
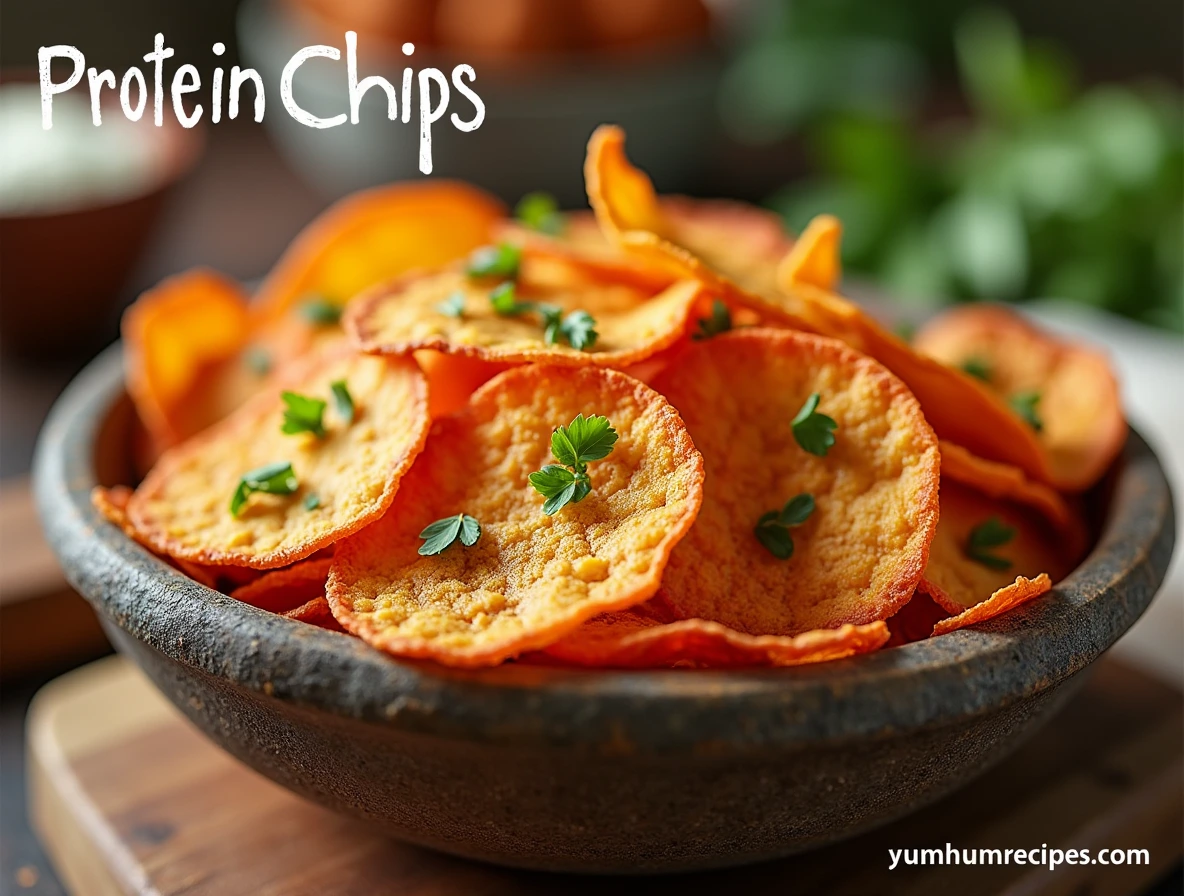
(1024, 404)
(454, 305)
(501, 260)
(539, 211)
(578, 328)
(991, 533)
(342, 400)
(574, 446)
(504, 299)
(442, 533)
(772, 529)
(814, 431)
(719, 322)
(303, 414)
(273, 479)
(258, 360)
(312, 501)
(321, 311)
(979, 368)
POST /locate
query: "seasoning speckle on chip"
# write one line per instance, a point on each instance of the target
(531, 577)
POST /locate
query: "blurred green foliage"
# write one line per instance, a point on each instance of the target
(1043, 191)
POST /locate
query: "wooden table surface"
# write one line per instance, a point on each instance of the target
(128, 797)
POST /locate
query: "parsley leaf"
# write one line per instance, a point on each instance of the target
(979, 368)
(454, 305)
(560, 486)
(1024, 404)
(991, 533)
(539, 211)
(719, 322)
(303, 414)
(583, 440)
(273, 479)
(312, 501)
(772, 529)
(814, 431)
(319, 310)
(258, 360)
(501, 260)
(504, 299)
(579, 329)
(342, 400)
(442, 533)
(552, 316)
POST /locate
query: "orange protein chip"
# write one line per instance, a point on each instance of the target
(633, 640)
(741, 243)
(315, 612)
(958, 407)
(1068, 392)
(1002, 601)
(251, 492)
(630, 323)
(530, 577)
(287, 589)
(870, 500)
(983, 544)
(172, 335)
(735, 264)
(376, 235)
(1008, 483)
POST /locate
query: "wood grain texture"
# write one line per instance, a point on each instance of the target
(128, 798)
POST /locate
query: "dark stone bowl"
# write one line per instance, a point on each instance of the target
(585, 770)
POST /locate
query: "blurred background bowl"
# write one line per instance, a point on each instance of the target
(540, 109)
(67, 255)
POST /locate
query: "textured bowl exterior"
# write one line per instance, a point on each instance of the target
(575, 770)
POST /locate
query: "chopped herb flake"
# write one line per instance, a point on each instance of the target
(539, 211)
(321, 311)
(1026, 405)
(719, 322)
(454, 305)
(501, 261)
(814, 432)
(772, 529)
(441, 534)
(303, 414)
(342, 400)
(273, 479)
(582, 441)
(979, 368)
(991, 533)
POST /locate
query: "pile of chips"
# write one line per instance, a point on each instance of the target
(651, 436)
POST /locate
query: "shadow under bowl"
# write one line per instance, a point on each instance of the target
(584, 770)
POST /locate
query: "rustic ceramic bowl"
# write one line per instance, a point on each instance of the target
(587, 770)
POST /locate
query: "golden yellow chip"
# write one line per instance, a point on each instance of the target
(983, 544)
(1066, 392)
(551, 314)
(247, 493)
(859, 552)
(958, 407)
(633, 640)
(375, 235)
(530, 577)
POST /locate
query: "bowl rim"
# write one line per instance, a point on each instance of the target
(941, 681)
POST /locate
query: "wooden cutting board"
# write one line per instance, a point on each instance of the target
(127, 797)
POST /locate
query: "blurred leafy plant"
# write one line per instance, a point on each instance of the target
(1045, 191)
